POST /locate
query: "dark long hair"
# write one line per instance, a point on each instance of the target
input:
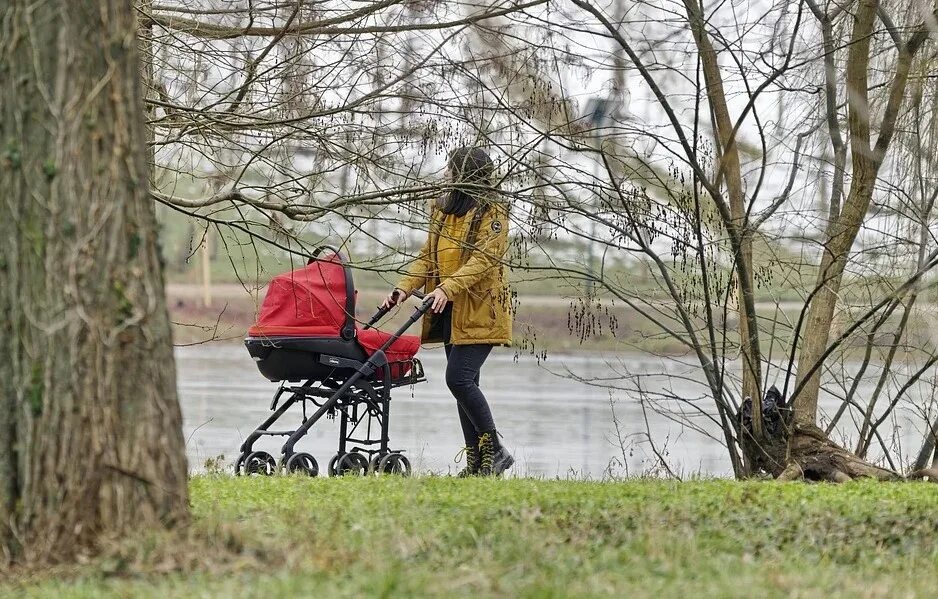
(468, 165)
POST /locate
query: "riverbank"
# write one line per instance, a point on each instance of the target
(297, 537)
(542, 323)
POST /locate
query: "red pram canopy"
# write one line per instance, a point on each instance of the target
(318, 300)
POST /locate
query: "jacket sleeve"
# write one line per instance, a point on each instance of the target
(487, 253)
(416, 276)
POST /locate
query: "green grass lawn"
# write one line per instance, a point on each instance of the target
(283, 537)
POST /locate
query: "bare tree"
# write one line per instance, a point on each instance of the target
(805, 445)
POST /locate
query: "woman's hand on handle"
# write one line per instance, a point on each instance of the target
(439, 298)
(394, 298)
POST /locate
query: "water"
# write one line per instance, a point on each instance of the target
(553, 423)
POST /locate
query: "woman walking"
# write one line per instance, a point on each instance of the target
(460, 269)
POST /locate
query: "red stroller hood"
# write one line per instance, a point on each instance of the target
(307, 302)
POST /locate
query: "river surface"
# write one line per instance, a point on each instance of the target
(556, 418)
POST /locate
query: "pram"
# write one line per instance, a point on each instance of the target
(306, 338)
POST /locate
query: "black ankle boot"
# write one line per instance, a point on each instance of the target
(493, 458)
(472, 462)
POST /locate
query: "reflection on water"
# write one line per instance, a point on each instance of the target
(554, 425)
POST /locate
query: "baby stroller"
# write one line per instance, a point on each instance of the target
(307, 339)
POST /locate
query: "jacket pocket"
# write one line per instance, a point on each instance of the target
(478, 314)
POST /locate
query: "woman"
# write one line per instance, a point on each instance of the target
(460, 269)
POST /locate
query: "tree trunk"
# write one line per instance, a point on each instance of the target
(842, 231)
(731, 170)
(820, 314)
(91, 443)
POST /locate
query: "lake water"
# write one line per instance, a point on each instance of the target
(553, 421)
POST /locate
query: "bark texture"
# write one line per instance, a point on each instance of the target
(91, 442)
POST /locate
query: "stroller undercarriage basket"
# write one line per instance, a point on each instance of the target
(334, 369)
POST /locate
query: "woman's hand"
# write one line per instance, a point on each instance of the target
(439, 299)
(394, 298)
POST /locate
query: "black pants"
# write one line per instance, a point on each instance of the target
(463, 363)
(463, 366)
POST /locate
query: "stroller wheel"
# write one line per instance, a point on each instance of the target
(239, 464)
(331, 468)
(260, 462)
(351, 463)
(394, 463)
(302, 463)
(375, 461)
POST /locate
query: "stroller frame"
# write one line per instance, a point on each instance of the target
(353, 392)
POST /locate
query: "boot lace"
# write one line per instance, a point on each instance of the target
(486, 453)
(472, 461)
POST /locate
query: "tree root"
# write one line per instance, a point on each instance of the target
(791, 472)
(929, 474)
(813, 456)
(840, 477)
(788, 450)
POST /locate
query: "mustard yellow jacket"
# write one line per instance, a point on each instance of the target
(478, 289)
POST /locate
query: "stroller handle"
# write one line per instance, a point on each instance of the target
(382, 311)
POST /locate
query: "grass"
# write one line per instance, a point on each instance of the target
(283, 537)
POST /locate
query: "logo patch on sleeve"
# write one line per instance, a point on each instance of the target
(497, 226)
